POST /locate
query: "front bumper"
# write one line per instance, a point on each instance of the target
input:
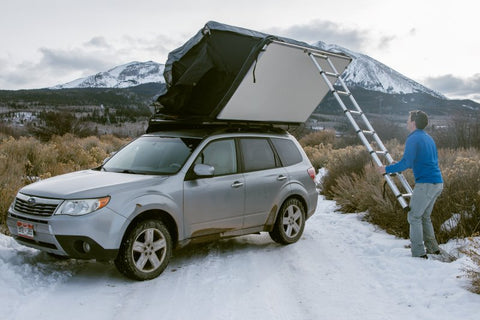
(93, 236)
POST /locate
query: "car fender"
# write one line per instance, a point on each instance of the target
(309, 198)
(155, 203)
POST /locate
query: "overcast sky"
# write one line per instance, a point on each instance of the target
(49, 42)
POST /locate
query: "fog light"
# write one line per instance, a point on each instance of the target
(86, 247)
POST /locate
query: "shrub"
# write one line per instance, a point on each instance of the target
(343, 162)
(318, 155)
(26, 159)
(473, 272)
(352, 181)
(323, 137)
(460, 196)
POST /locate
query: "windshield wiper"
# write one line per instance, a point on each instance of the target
(128, 171)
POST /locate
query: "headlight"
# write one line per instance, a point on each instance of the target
(12, 205)
(82, 206)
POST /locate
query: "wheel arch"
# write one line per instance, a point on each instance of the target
(301, 199)
(156, 214)
(276, 210)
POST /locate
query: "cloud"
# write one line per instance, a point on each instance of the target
(98, 42)
(455, 86)
(385, 41)
(59, 61)
(328, 32)
(59, 65)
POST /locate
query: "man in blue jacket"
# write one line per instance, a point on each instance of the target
(420, 154)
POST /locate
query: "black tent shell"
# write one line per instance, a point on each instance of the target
(231, 74)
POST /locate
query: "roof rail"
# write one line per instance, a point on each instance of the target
(160, 122)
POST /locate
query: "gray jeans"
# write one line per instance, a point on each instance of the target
(421, 230)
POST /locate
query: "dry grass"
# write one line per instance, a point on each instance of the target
(473, 252)
(323, 137)
(26, 159)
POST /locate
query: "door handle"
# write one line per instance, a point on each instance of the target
(237, 184)
(281, 177)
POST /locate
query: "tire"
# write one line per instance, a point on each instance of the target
(145, 251)
(290, 222)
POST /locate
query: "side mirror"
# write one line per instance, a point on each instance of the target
(203, 170)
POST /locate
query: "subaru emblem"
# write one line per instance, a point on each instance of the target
(31, 201)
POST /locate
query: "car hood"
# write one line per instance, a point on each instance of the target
(89, 184)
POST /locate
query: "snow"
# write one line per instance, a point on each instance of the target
(342, 268)
(371, 74)
(123, 76)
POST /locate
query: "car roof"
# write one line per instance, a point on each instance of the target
(203, 131)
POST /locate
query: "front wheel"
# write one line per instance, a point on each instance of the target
(290, 222)
(145, 251)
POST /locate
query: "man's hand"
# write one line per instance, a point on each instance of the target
(381, 169)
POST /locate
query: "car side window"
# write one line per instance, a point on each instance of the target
(257, 154)
(221, 155)
(287, 151)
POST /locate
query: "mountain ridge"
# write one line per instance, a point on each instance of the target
(123, 76)
(368, 73)
(376, 87)
(364, 72)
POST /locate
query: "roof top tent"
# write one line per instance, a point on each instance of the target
(230, 74)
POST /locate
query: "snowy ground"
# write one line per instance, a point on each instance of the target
(342, 268)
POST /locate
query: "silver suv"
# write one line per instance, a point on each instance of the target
(166, 189)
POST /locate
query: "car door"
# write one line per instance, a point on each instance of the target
(213, 205)
(265, 180)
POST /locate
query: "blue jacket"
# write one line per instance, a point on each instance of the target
(421, 155)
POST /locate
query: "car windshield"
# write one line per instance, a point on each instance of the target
(152, 155)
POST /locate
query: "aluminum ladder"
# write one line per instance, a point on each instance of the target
(362, 134)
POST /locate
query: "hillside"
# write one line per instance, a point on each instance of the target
(399, 104)
(142, 95)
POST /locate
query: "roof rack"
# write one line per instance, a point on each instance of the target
(160, 122)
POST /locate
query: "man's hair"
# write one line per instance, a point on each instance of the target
(420, 118)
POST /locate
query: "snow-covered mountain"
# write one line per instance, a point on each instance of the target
(370, 74)
(364, 72)
(127, 75)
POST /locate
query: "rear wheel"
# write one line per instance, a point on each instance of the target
(145, 251)
(290, 222)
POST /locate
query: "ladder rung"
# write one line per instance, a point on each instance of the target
(381, 152)
(406, 195)
(345, 93)
(354, 112)
(318, 55)
(368, 132)
(331, 74)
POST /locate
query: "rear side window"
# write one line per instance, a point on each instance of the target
(257, 154)
(287, 151)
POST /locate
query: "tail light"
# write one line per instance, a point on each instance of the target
(311, 173)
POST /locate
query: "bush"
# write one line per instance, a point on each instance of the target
(323, 137)
(460, 196)
(318, 155)
(473, 252)
(348, 162)
(353, 182)
(26, 159)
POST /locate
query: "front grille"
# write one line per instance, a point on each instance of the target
(35, 205)
(28, 219)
